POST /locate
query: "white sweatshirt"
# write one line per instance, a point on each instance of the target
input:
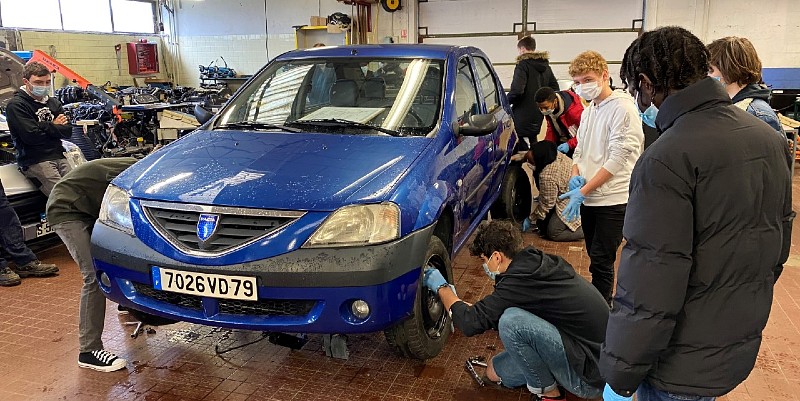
(610, 136)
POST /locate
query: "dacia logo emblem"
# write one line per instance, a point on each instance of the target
(207, 226)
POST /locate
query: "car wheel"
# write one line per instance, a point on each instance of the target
(514, 202)
(423, 335)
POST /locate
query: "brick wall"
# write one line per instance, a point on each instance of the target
(90, 55)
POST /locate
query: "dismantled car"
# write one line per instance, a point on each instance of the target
(312, 202)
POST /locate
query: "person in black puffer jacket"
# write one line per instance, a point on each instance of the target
(531, 73)
(708, 227)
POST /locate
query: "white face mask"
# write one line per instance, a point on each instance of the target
(589, 90)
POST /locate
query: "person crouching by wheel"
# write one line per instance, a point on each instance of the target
(551, 321)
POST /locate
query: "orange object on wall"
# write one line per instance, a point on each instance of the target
(142, 58)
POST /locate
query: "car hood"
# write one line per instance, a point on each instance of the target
(288, 171)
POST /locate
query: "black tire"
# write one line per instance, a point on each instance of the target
(514, 202)
(423, 335)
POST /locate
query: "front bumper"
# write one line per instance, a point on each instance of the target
(306, 290)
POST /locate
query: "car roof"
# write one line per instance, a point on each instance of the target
(380, 50)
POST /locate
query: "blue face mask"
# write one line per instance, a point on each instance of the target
(492, 275)
(39, 91)
(648, 116)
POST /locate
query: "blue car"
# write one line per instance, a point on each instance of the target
(312, 201)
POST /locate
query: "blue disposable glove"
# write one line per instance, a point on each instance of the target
(576, 182)
(573, 209)
(610, 395)
(434, 279)
(563, 148)
(526, 224)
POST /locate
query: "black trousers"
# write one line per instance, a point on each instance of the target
(11, 237)
(602, 230)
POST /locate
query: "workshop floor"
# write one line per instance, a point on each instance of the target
(38, 351)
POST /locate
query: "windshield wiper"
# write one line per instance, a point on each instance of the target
(345, 123)
(257, 125)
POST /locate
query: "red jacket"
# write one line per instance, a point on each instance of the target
(572, 116)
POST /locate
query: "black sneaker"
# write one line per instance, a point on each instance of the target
(8, 277)
(36, 269)
(101, 360)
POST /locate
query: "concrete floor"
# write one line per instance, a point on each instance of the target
(39, 348)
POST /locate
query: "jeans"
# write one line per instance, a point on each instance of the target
(92, 313)
(646, 392)
(11, 237)
(602, 230)
(46, 174)
(534, 356)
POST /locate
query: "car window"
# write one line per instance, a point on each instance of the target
(466, 103)
(488, 84)
(403, 95)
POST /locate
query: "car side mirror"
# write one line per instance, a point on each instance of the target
(202, 114)
(479, 125)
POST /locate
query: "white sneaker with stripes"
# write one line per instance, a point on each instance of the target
(101, 360)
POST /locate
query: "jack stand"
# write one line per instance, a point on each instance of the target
(335, 346)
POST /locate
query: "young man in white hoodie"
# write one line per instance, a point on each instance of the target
(610, 140)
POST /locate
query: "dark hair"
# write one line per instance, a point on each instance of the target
(545, 93)
(527, 43)
(671, 57)
(543, 153)
(736, 59)
(497, 235)
(34, 68)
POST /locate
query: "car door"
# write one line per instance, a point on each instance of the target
(480, 149)
(495, 154)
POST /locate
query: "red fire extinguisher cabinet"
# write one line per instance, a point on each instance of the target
(142, 58)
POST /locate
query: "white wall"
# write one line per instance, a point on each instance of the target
(246, 33)
(773, 26)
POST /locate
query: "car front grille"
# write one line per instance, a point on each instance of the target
(236, 227)
(262, 307)
(172, 298)
(266, 307)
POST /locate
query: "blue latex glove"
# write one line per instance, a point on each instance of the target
(434, 279)
(563, 148)
(573, 209)
(610, 395)
(576, 182)
(526, 224)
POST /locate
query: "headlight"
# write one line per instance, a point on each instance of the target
(115, 211)
(358, 225)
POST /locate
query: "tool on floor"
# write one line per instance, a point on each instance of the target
(471, 370)
(139, 329)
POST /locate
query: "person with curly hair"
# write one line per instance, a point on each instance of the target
(708, 228)
(610, 140)
(551, 320)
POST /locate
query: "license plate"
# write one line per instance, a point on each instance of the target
(204, 284)
(43, 228)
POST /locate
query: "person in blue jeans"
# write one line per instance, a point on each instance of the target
(13, 242)
(551, 320)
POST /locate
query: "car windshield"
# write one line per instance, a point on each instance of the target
(357, 95)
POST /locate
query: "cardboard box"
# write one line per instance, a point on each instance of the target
(318, 21)
(332, 28)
